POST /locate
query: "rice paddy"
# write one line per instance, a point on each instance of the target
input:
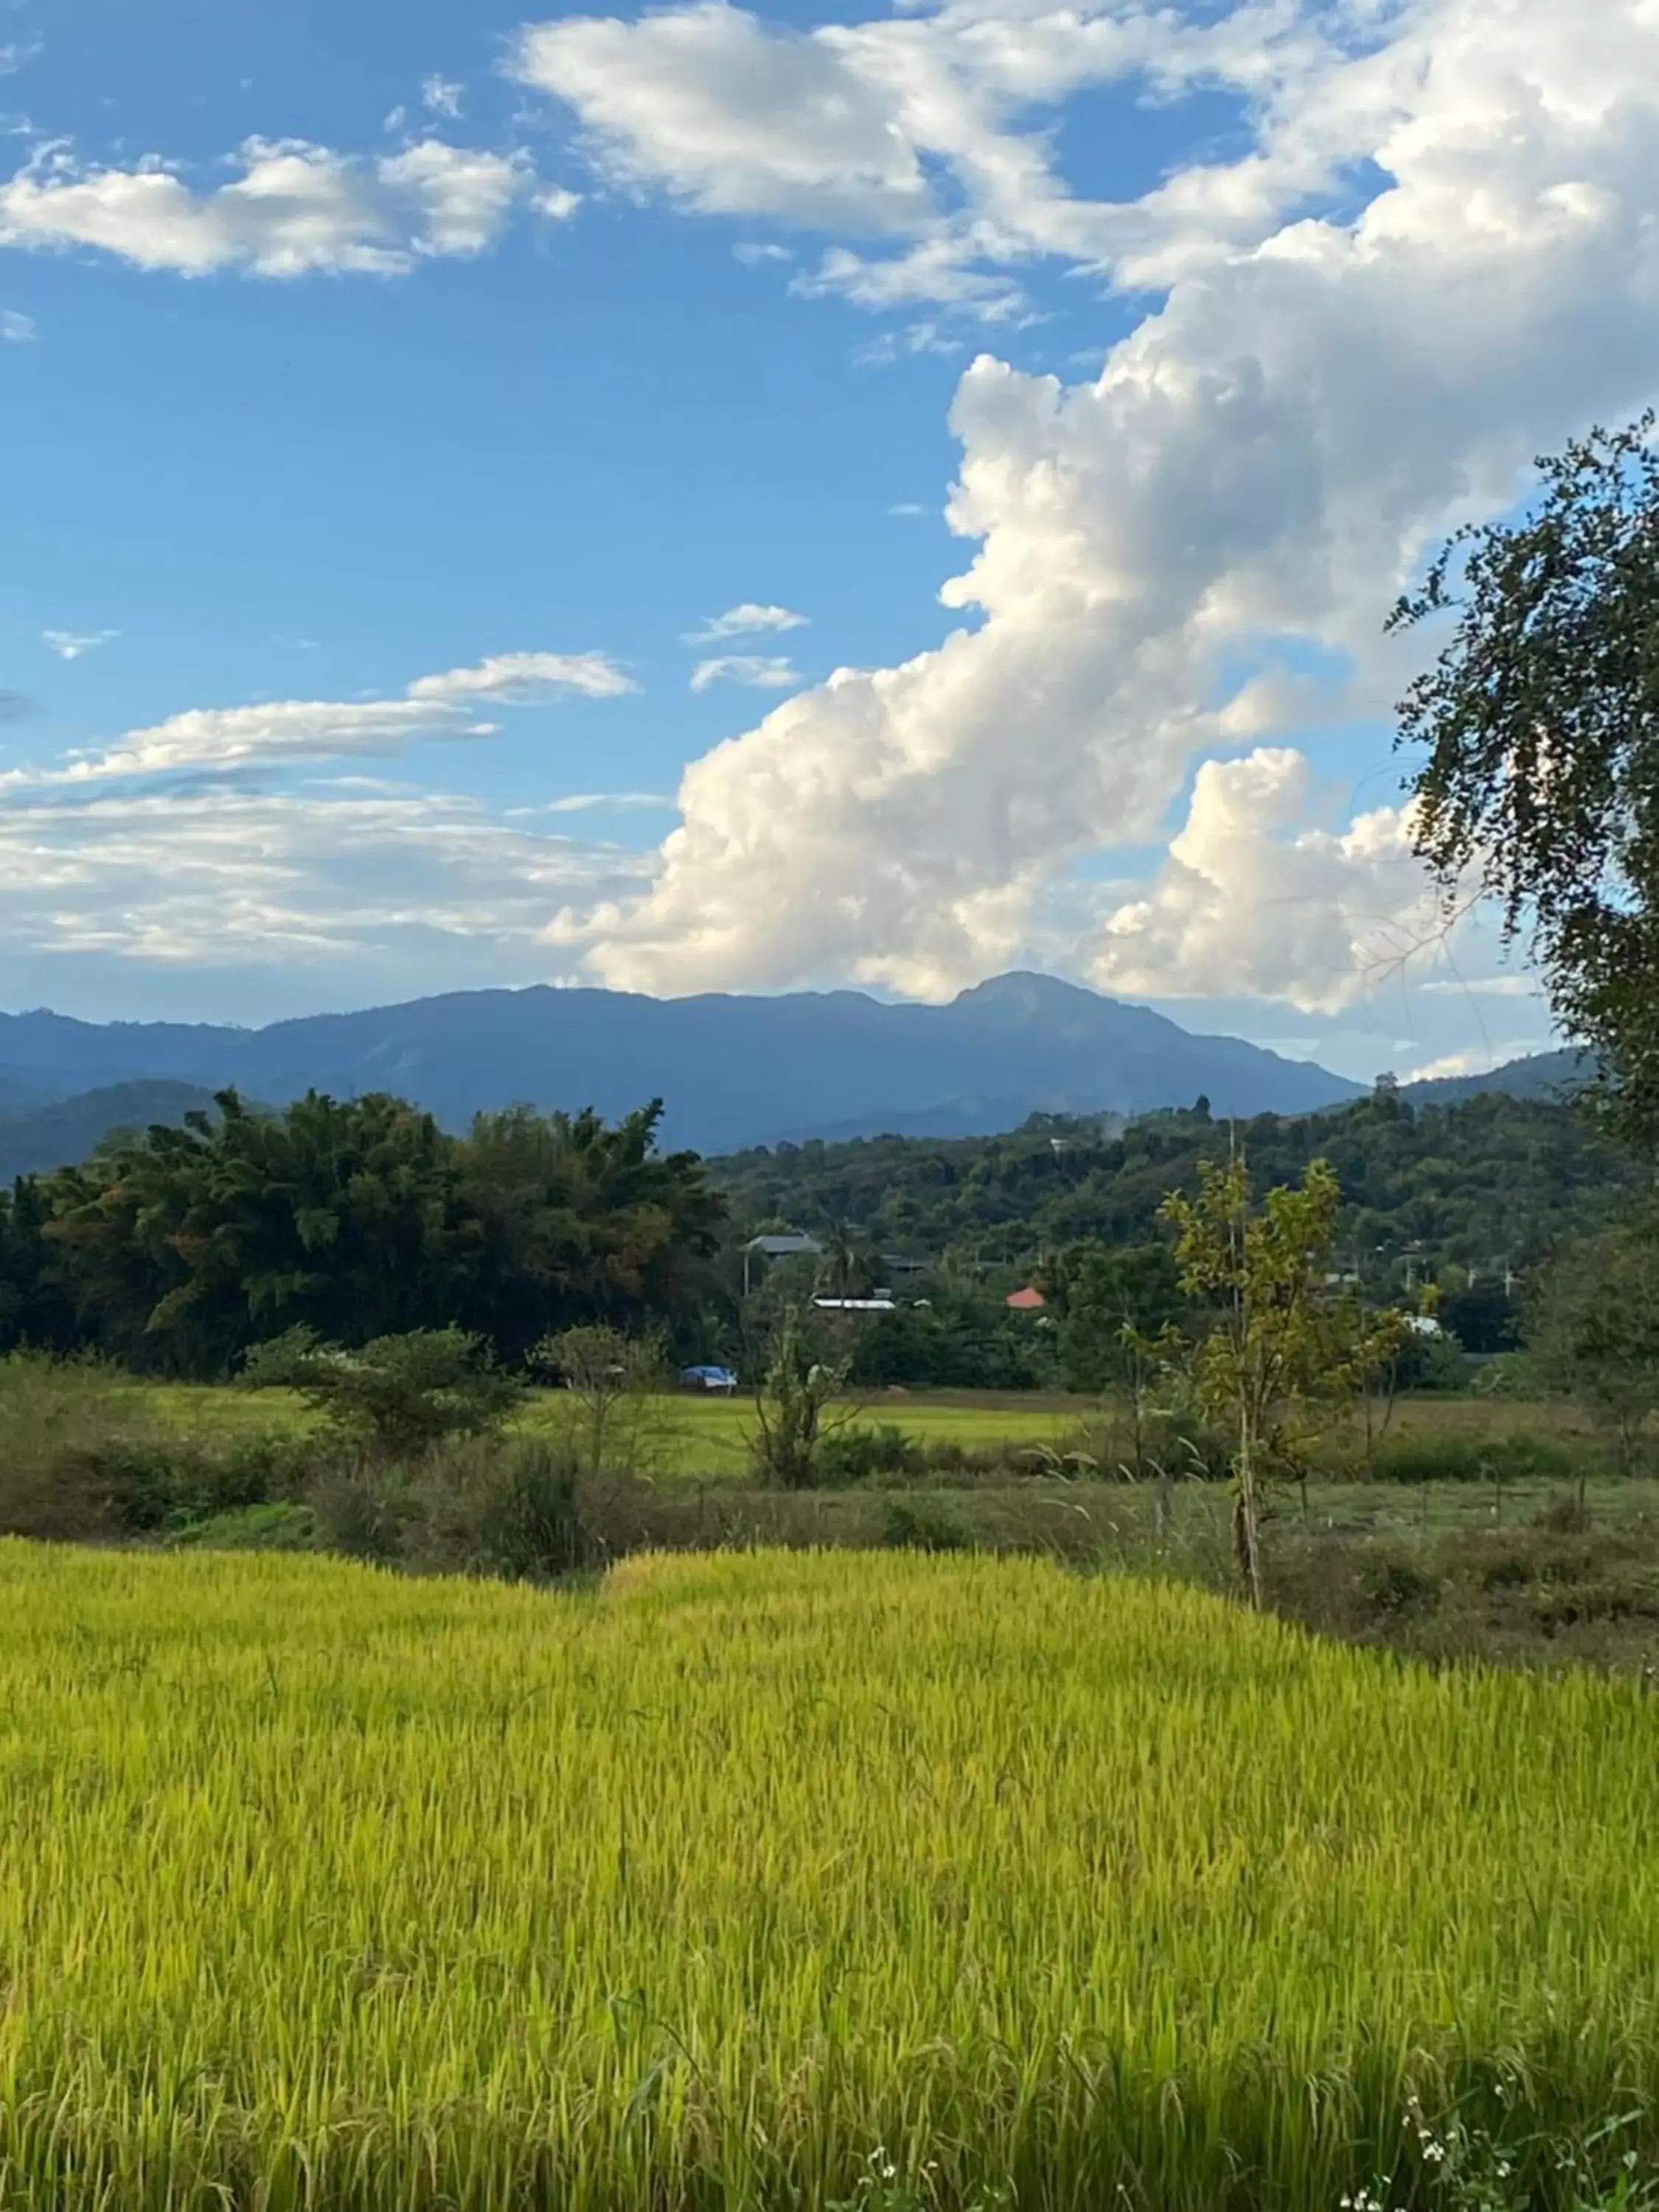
(747, 1880)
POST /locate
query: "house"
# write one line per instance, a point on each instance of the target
(1029, 1300)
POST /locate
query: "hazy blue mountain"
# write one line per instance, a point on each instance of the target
(1538, 1075)
(734, 1071)
(58, 1135)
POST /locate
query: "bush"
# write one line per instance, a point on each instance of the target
(397, 1395)
(275, 1527)
(920, 1525)
(1397, 1587)
(1458, 1458)
(363, 1506)
(83, 1456)
(861, 1455)
(511, 1507)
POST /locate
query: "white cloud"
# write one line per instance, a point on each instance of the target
(557, 205)
(748, 620)
(294, 209)
(910, 507)
(441, 95)
(16, 327)
(71, 644)
(207, 739)
(753, 256)
(516, 679)
(1259, 466)
(1249, 904)
(583, 802)
(908, 344)
(935, 131)
(760, 672)
(731, 116)
(229, 877)
(1474, 1059)
(1485, 986)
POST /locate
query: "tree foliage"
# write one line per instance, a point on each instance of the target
(1279, 1343)
(358, 1219)
(1539, 726)
(397, 1395)
(1594, 1329)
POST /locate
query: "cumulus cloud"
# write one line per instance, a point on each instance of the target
(760, 672)
(732, 115)
(293, 209)
(748, 620)
(72, 644)
(1162, 552)
(1250, 904)
(447, 705)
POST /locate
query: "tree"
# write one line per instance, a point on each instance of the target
(605, 1372)
(1593, 1330)
(1111, 1298)
(397, 1395)
(1278, 1342)
(1539, 722)
(799, 1388)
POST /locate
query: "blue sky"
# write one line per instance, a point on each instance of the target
(396, 401)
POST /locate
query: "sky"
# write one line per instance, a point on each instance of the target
(712, 500)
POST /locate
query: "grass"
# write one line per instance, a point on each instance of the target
(323, 1887)
(680, 1434)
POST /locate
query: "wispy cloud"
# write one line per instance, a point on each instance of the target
(760, 672)
(747, 620)
(71, 644)
(214, 739)
(16, 327)
(441, 95)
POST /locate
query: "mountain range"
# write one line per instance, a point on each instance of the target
(734, 1071)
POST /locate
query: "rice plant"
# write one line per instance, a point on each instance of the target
(771, 1881)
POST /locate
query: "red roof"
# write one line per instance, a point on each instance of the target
(1026, 1301)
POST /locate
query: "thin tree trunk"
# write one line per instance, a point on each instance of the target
(1247, 1536)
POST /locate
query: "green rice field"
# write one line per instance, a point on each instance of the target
(678, 1434)
(744, 1880)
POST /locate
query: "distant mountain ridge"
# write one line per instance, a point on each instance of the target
(1537, 1075)
(67, 1130)
(734, 1071)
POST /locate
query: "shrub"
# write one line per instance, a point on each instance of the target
(1395, 1586)
(1460, 1458)
(363, 1506)
(397, 1395)
(273, 1527)
(860, 1455)
(509, 1506)
(922, 1525)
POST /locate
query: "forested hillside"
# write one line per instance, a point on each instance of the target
(1489, 1181)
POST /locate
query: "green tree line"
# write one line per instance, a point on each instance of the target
(176, 1249)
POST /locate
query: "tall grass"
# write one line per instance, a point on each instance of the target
(325, 1887)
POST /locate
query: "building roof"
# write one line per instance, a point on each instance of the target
(855, 1306)
(1026, 1301)
(786, 1247)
